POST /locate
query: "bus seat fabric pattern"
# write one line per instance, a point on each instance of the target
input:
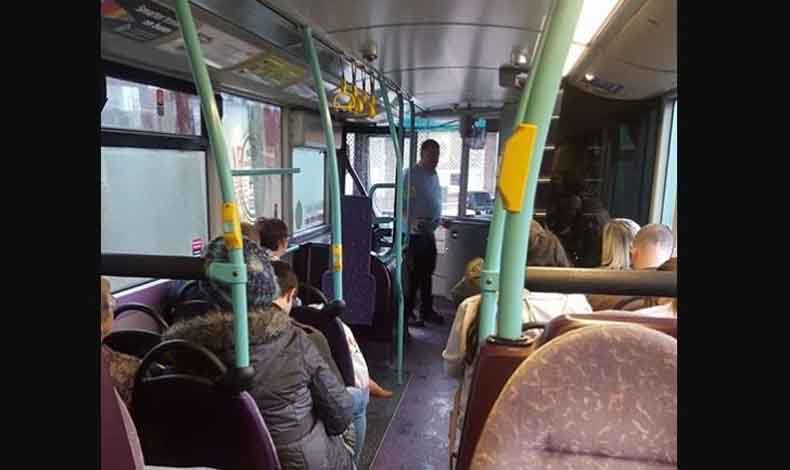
(598, 397)
(117, 451)
(359, 285)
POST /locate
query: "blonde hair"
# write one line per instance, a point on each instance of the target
(473, 270)
(251, 232)
(618, 236)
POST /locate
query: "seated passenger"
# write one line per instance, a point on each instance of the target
(273, 236)
(618, 236)
(469, 284)
(251, 232)
(653, 245)
(364, 384)
(304, 405)
(544, 250)
(662, 306)
(459, 354)
(122, 367)
(590, 226)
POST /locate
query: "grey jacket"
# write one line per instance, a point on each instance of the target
(292, 385)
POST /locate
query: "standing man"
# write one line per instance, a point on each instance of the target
(425, 207)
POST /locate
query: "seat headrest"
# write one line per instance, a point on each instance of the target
(594, 394)
(335, 308)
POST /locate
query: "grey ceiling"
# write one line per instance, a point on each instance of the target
(444, 52)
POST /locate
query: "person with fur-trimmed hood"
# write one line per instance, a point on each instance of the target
(303, 403)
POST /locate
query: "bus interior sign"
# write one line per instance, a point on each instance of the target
(138, 20)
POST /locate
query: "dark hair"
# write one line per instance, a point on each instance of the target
(286, 278)
(273, 231)
(429, 143)
(545, 249)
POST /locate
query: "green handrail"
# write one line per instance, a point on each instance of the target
(489, 276)
(234, 272)
(547, 76)
(398, 239)
(334, 175)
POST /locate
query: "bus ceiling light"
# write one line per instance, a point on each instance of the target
(589, 77)
(593, 16)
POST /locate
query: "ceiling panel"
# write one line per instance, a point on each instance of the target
(336, 15)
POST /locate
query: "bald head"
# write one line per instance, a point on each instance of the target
(652, 246)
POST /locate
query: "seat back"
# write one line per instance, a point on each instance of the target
(496, 362)
(565, 323)
(602, 396)
(117, 452)
(136, 316)
(312, 260)
(335, 335)
(135, 343)
(186, 420)
(190, 309)
(359, 285)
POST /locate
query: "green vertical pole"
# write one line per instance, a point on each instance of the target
(334, 176)
(547, 76)
(398, 242)
(235, 272)
(489, 277)
(412, 162)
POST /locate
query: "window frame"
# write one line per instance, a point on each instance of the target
(115, 137)
(662, 174)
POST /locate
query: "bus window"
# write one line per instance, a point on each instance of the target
(349, 183)
(142, 107)
(381, 169)
(668, 210)
(449, 169)
(482, 177)
(308, 188)
(253, 135)
(153, 202)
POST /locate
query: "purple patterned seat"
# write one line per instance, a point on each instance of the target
(117, 452)
(188, 420)
(359, 285)
(134, 316)
(602, 396)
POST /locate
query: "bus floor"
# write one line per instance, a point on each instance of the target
(417, 436)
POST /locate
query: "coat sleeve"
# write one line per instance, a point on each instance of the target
(333, 404)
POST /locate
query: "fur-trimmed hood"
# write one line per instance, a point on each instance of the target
(215, 330)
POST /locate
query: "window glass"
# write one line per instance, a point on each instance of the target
(253, 135)
(140, 107)
(308, 188)
(153, 202)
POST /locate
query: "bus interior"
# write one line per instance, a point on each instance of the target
(378, 79)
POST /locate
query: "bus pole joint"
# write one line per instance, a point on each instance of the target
(489, 281)
(228, 273)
